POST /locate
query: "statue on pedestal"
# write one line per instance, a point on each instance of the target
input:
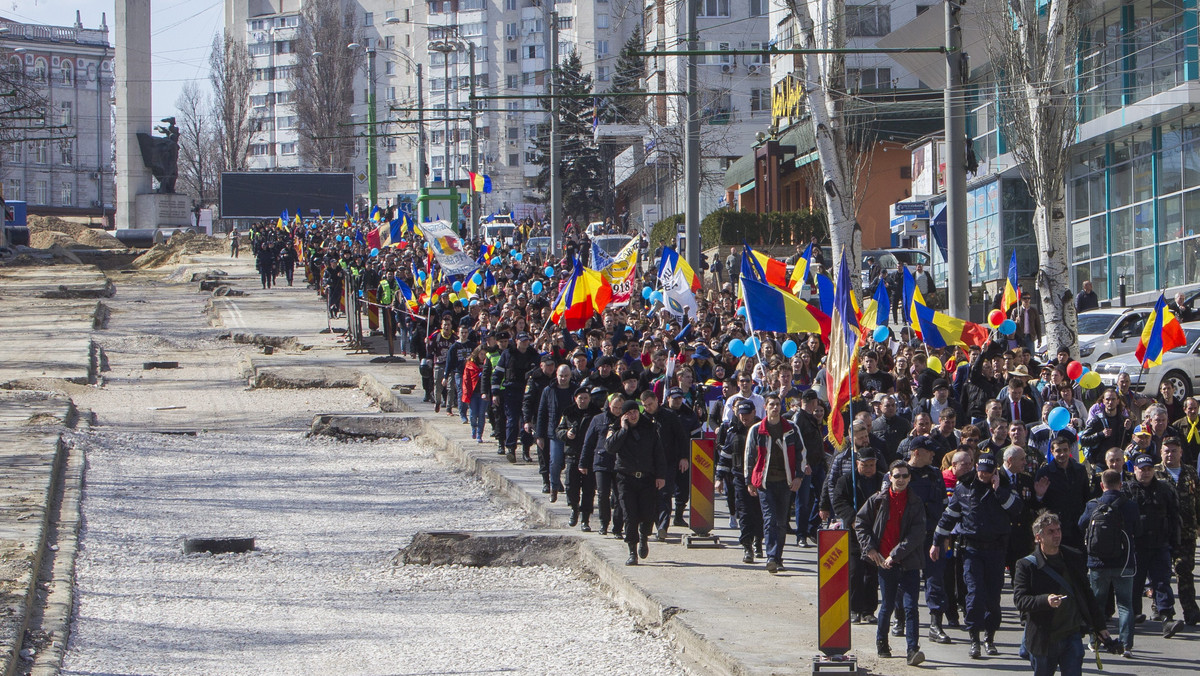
(161, 154)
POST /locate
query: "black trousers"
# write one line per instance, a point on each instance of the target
(610, 507)
(749, 513)
(637, 498)
(864, 584)
(581, 488)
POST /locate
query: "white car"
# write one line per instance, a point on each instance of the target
(1180, 367)
(1109, 332)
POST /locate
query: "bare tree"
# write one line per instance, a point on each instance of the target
(324, 85)
(844, 149)
(1032, 55)
(197, 156)
(24, 108)
(231, 78)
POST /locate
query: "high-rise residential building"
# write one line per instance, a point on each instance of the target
(510, 41)
(65, 168)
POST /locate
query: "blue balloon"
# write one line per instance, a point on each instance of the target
(752, 344)
(646, 291)
(1058, 418)
(742, 311)
(537, 288)
(374, 253)
(789, 348)
(421, 275)
(466, 302)
(338, 237)
(477, 278)
(518, 255)
(1084, 371)
(1008, 327)
(549, 271)
(881, 334)
(736, 347)
(496, 260)
(656, 297)
(457, 286)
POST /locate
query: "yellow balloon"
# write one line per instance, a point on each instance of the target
(934, 363)
(1090, 380)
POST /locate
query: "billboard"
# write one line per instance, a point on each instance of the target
(258, 194)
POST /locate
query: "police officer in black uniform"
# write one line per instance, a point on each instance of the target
(508, 382)
(982, 508)
(1158, 511)
(731, 470)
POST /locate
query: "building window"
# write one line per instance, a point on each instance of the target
(717, 59)
(533, 52)
(389, 68)
(368, 18)
(868, 21)
(512, 81)
(510, 56)
(602, 73)
(514, 160)
(469, 5)
(601, 21)
(262, 149)
(12, 189)
(67, 195)
(14, 152)
(259, 49)
(66, 152)
(66, 72)
(758, 59)
(510, 30)
(601, 47)
(285, 47)
(868, 78)
(285, 97)
(510, 5)
(287, 148)
(714, 8)
(532, 25)
(760, 100)
(41, 192)
(391, 170)
(64, 113)
(758, 7)
(39, 152)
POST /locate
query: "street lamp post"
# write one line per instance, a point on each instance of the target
(445, 48)
(372, 169)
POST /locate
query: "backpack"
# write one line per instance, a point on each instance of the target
(1105, 537)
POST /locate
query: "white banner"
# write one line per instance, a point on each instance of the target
(622, 273)
(447, 248)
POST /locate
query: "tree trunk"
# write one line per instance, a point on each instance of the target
(1058, 310)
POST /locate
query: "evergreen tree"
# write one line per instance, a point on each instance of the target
(627, 75)
(581, 169)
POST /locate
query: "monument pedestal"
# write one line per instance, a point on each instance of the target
(161, 210)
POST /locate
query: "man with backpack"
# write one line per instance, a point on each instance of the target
(1110, 524)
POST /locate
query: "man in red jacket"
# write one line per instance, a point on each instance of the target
(775, 467)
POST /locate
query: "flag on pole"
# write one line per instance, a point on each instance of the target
(1010, 297)
(671, 261)
(765, 268)
(1161, 335)
(677, 295)
(584, 296)
(772, 309)
(800, 272)
(875, 311)
(841, 366)
(480, 182)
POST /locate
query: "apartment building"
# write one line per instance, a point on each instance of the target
(67, 170)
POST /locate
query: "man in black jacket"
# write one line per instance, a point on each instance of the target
(1063, 486)
(508, 382)
(641, 468)
(571, 431)
(537, 379)
(731, 468)
(1111, 550)
(849, 496)
(553, 402)
(675, 448)
(1054, 596)
(898, 553)
(594, 458)
(1158, 509)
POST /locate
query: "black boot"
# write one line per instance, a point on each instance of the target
(679, 516)
(974, 651)
(643, 547)
(748, 555)
(989, 644)
(936, 633)
(585, 526)
(882, 648)
(633, 557)
(574, 520)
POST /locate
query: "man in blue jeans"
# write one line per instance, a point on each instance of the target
(775, 467)
(890, 528)
(1111, 545)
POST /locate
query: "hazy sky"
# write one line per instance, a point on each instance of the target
(181, 33)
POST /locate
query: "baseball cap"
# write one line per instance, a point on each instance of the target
(675, 392)
(523, 336)
(1143, 460)
(745, 406)
(921, 442)
(1141, 431)
(986, 463)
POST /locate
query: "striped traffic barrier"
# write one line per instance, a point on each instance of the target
(700, 517)
(833, 592)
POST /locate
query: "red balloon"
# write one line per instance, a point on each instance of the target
(1074, 370)
(996, 317)
(402, 244)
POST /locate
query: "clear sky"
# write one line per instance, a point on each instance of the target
(181, 34)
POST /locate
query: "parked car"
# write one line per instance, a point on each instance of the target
(1180, 367)
(537, 245)
(1108, 332)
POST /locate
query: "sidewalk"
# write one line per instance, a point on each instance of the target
(727, 616)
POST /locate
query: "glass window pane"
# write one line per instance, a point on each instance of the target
(1120, 186)
(1143, 224)
(1191, 213)
(1079, 198)
(1096, 193)
(1143, 263)
(1081, 240)
(1099, 245)
(1191, 260)
(1170, 172)
(1122, 264)
(1171, 257)
(1143, 185)
(1170, 218)
(1122, 229)
(1191, 165)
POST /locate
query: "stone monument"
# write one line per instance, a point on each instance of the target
(139, 205)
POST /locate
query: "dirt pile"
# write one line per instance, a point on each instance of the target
(47, 231)
(177, 248)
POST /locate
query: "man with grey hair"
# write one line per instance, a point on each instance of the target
(1053, 594)
(1020, 543)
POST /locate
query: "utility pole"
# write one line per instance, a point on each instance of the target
(556, 221)
(446, 123)
(372, 166)
(959, 281)
(420, 132)
(691, 149)
(474, 216)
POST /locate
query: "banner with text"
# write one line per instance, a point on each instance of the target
(448, 248)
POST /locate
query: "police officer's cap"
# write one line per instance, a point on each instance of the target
(921, 441)
(986, 463)
(581, 390)
(629, 375)
(523, 336)
(599, 391)
(866, 453)
(940, 384)
(630, 405)
(675, 392)
(501, 335)
(1143, 460)
(546, 358)
(1067, 436)
(745, 406)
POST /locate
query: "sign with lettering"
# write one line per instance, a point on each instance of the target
(787, 98)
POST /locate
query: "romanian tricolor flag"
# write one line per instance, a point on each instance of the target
(480, 182)
(584, 296)
(800, 272)
(841, 365)
(1161, 335)
(765, 268)
(406, 292)
(1010, 297)
(771, 309)
(376, 214)
(486, 254)
(670, 262)
(825, 292)
(938, 329)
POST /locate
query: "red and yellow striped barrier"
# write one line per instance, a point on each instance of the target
(700, 519)
(833, 591)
